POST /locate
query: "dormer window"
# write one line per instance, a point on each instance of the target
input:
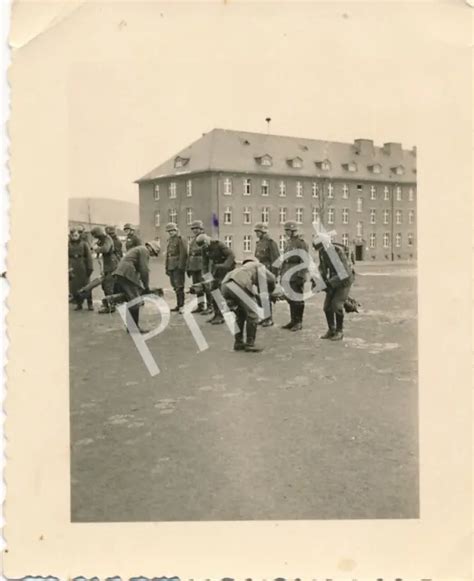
(398, 170)
(180, 161)
(295, 162)
(325, 164)
(351, 166)
(376, 168)
(265, 160)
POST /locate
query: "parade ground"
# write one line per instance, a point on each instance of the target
(307, 429)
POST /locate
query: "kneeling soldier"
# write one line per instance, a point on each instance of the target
(133, 273)
(246, 277)
(338, 275)
(266, 252)
(176, 255)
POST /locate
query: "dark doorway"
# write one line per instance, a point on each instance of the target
(359, 252)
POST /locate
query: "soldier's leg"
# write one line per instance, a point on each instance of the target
(329, 313)
(339, 298)
(196, 277)
(297, 286)
(179, 281)
(251, 331)
(218, 318)
(108, 287)
(131, 291)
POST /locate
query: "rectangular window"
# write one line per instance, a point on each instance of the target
(345, 191)
(398, 216)
(411, 195)
(372, 240)
(247, 186)
(299, 215)
(282, 242)
(172, 215)
(331, 216)
(189, 188)
(410, 239)
(315, 190)
(282, 215)
(156, 192)
(411, 216)
(330, 191)
(399, 193)
(359, 229)
(345, 215)
(247, 243)
(359, 188)
(345, 239)
(228, 240)
(372, 216)
(315, 215)
(227, 187)
(386, 193)
(265, 215)
(247, 215)
(359, 204)
(265, 188)
(386, 240)
(398, 239)
(282, 189)
(299, 189)
(228, 215)
(386, 216)
(172, 189)
(157, 219)
(189, 216)
(373, 193)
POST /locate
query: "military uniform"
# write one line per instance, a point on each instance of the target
(132, 240)
(217, 260)
(267, 252)
(80, 267)
(176, 257)
(105, 248)
(194, 267)
(296, 280)
(247, 278)
(337, 289)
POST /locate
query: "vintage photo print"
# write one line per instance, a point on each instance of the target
(239, 305)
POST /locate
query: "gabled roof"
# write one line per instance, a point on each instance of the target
(235, 151)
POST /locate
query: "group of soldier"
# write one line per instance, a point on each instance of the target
(211, 267)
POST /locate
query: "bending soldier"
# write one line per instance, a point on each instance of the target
(105, 249)
(266, 252)
(132, 276)
(132, 239)
(217, 260)
(247, 278)
(338, 283)
(194, 270)
(297, 279)
(176, 255)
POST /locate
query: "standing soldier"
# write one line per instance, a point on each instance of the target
(217, 260)
(266, 252)
(296, 279)
(80, 268)
(176, 255)
(132, 239)
(247, 278)
(194, 269)
(105, 250)
(84, 235)
(132, 275)
(338, 284)
(112, 232)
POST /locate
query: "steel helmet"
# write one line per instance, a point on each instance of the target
(197, 224)
(293, 226)
(128, 227)
(154, 246)
(171, 226)
(202, 239)
(260, 227)
(110, 229)
(98, 232)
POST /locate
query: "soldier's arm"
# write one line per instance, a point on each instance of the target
(88, 258)
(183, 254)
(274, 255)
(230, 257)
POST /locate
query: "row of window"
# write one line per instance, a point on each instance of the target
(299, 190)
(247, 241)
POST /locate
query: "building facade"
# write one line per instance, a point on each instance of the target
(231, 180)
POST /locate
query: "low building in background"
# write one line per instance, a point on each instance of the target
(233, 179)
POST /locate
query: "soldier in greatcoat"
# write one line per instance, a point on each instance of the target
(80, 268)
(217, 260)
(132, 275)
(176, 257)
(112, 232)
(296, 281)
(105, 251)
(194, 270)
(266, 252)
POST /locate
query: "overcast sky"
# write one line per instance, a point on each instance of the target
(319, 71)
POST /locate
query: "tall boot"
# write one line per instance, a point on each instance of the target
(180, 298)
(299, 308)
(289, 325)
(331, 325)
(251, 336)
(90, 304)
(239, 344)
(339, 334)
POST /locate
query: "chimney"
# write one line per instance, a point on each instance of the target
(413, 151)
(364, 146)
(392, 148)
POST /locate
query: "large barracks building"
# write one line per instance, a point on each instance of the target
(233, 179)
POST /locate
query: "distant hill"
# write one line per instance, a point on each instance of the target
(102, 211)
